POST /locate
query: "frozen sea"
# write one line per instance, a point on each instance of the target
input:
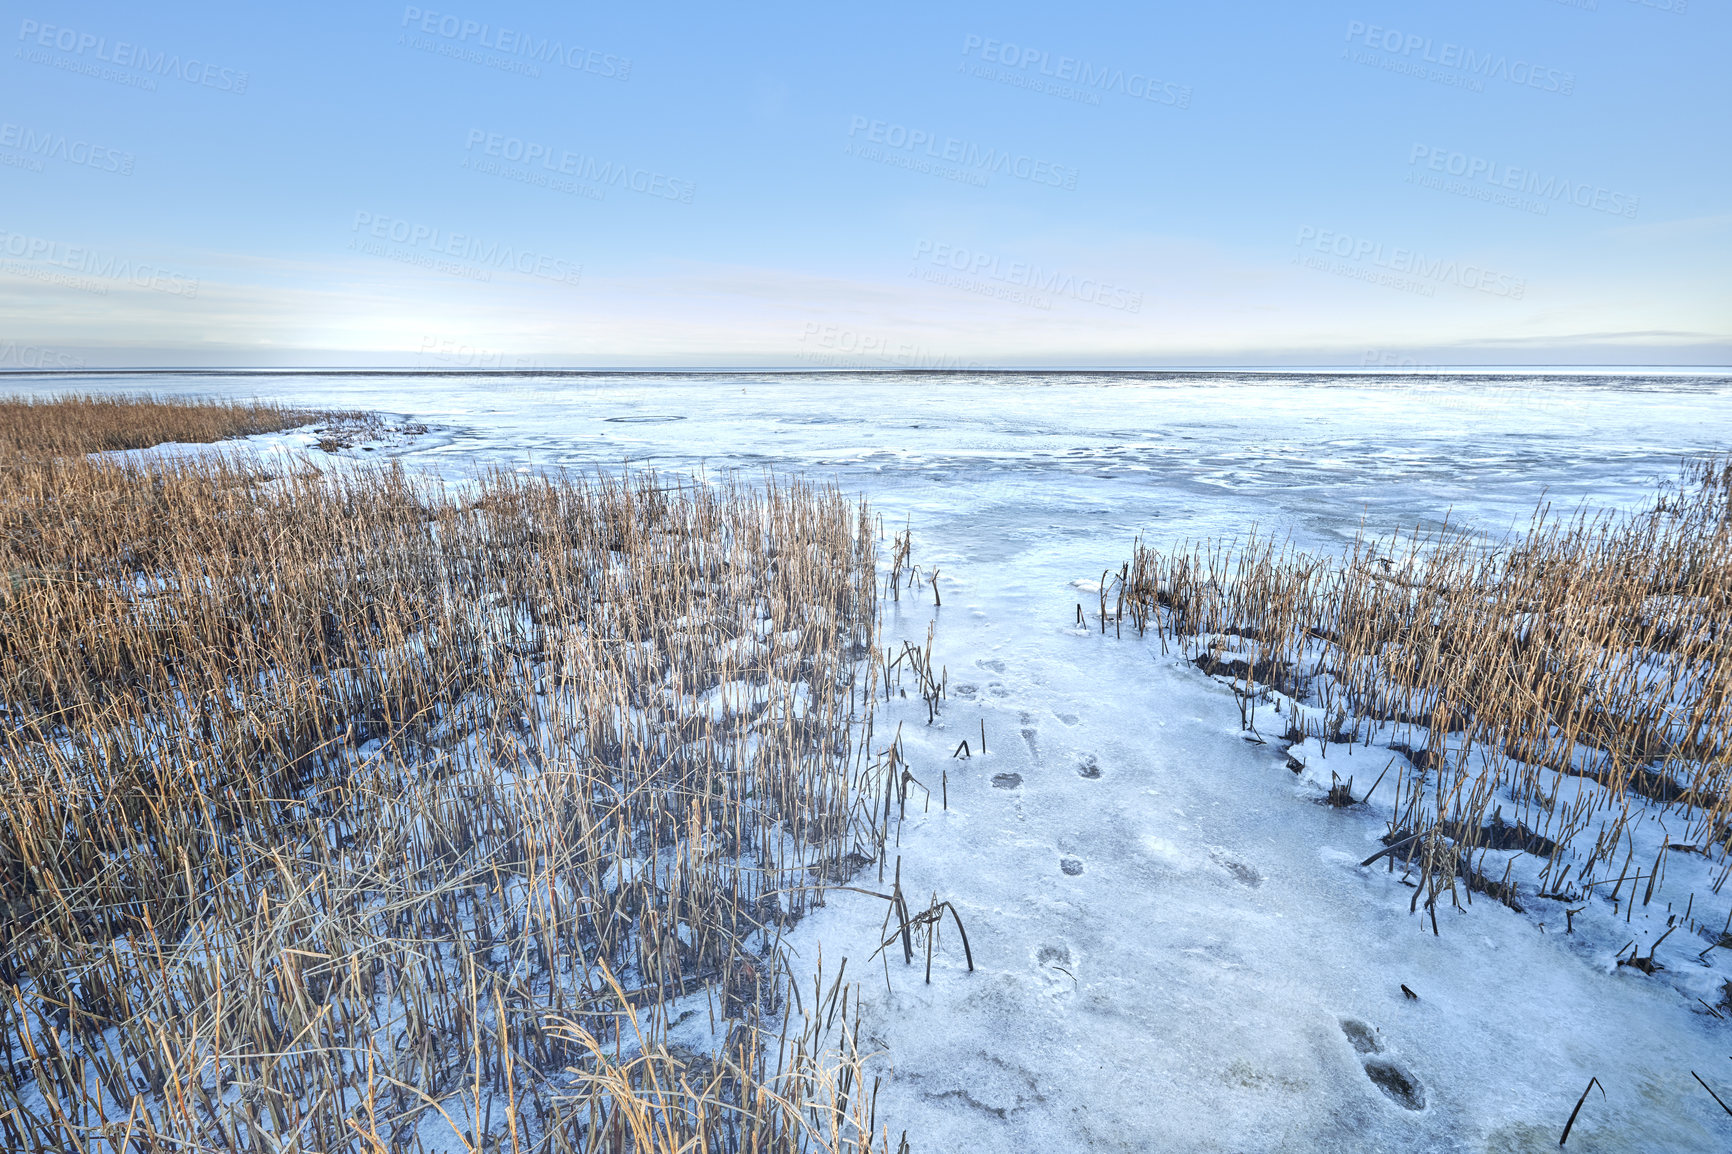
(1178, 950)
(1084, 455)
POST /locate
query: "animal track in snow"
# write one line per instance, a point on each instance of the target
(1072, 866)
(1090, 768)
(1362, 1036)
(1244, 874)
(1395, 1080)
(1006, 781)
(1057, 965)
(1402, 1087)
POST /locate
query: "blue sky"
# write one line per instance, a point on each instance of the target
(467, 185)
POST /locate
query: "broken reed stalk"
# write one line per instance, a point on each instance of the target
(1569, 1125)
(344, 809)
(1707, 1087)
(1593, 647)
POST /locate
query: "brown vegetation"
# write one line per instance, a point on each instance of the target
(352, 813)
(1594, 648)
(82, 423)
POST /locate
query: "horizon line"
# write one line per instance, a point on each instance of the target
(1412, 372)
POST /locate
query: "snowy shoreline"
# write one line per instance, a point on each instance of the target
(1174, 946)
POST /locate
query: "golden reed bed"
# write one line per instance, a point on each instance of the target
(1589, 649)
(356, 812)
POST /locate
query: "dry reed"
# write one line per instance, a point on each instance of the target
(85, 423)
(1590, 649)
(351, 812)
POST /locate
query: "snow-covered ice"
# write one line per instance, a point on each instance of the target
(1175, 947)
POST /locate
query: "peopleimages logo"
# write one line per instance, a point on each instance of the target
(84, 268)
(578, 166)
(1069, 76)
(1018, 282)
(44, 145)
(461, 33)
(1476, 170)
(1379, 359)
(78, 49)
(833, 346)
(924, 151)
(472, 257)
(16, 356)
(466, 356)
(1448, 62)
(1401, 268)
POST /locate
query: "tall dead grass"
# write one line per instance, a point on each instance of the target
(1590, 647)
(352, 812)
(90, 423)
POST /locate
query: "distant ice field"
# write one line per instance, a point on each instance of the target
(1076, 454)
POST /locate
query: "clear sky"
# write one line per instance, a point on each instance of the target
(462, 184)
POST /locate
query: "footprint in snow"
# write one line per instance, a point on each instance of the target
(1090, 768)
(1244, 874)
(1362, 1037)
(1395, 1080)
(1006, 780)
(1053, 961)
(1401, 1087)
(1029, 734)
(1072, 866)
